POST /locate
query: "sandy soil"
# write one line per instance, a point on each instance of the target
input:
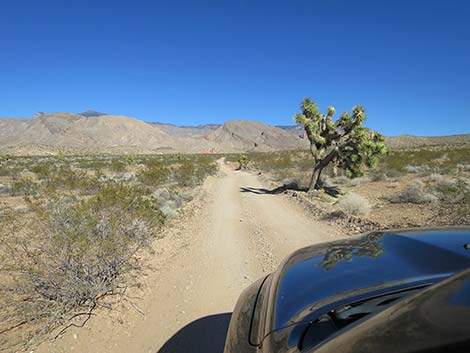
(233, 233)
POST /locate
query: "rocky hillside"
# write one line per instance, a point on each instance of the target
(253, 136)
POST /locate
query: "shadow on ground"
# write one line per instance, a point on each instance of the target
(330, 190)
(278, 190)
(205, 335)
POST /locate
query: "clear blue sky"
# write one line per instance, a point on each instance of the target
(192, 62)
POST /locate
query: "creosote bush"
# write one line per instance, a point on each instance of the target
(62, 261)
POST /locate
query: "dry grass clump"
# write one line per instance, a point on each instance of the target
(414, 192)
(353, 204)
(359, 181)
(435, 178)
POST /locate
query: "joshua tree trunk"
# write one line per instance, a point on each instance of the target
(320, 164)
(315, 179)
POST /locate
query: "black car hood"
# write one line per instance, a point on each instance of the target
(314, 276)
(436, 319)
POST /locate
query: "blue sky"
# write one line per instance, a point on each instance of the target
(201, 61)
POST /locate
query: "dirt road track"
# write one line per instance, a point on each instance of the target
(234, 233)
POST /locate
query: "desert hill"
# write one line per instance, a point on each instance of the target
(187, 131)
(74, 133)
(253, 136)
(409, 141)
(93, 132)
(403, 141)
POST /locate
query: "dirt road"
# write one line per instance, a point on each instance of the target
(234, 233)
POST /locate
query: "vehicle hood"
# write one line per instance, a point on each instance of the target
(314, 277)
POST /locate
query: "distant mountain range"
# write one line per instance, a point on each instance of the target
(93, 132)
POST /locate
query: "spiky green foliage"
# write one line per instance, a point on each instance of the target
(242, 161)
(344, 142)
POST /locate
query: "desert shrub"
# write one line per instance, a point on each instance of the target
(452, 190)
(58, 176)
(341, 180)
(93, 164)
(422, 170)
(71, 256)
(378, 176)
(24, 187)
(5, 171)
(67, 179)
(154, 175)
(124, 177)
(394, 173)
(169, 209)
(43, 170)
(118, 166)
(464, 167)
(5, 189)
(191, 172)
(411, 169)
(434, 177)
(162, 194)
(176, 196)
(414, 192)
(426, 171)
(359, 181)
(325, 181)
(181, 197)
(353, 204)
(153, 161)
(185, 174)
(457, 212)
(447, 183)
(448, 157)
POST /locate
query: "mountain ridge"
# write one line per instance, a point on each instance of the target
(93, 132)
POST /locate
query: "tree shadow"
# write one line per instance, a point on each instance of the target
(331, 190)
(204, 335)
(278, 190)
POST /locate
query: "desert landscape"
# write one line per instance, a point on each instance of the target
(234, 176)
(117, 236)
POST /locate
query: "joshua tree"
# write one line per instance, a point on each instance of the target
(344, 143)
(242, 161)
